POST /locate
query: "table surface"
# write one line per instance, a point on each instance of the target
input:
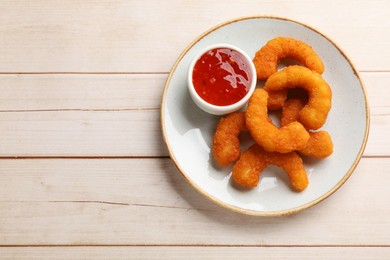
(84, 171)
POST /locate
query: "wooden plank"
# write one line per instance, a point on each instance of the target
(81, 133)
(80, 92)
(124, 36)
(378, 144)
(377, 94)
(121, 92)
(112, 133)
(49, 115)
(177, 252)
(147, 202)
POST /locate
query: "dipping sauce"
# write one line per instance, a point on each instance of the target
(222, 76)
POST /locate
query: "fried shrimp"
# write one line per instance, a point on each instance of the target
(276, 99)
(226, 145)
(267, 58)
(246, 171)
(320, 144)
(285, 139)
(313, 115)
(290, 111)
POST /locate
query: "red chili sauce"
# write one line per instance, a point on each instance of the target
(222, 76)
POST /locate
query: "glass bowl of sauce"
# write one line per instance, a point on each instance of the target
(221, 79)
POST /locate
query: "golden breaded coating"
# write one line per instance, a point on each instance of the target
(285, 139)
(276, 99)
(320, 143)
(313, 115)
(246, 171)
(290, 111)
(226, 145)
(267, 58)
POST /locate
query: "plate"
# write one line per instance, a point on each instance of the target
(188, 131)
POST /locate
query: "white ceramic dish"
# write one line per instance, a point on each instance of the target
(220, 110)
(187, 130)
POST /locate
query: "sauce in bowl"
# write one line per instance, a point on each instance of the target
(222, 76)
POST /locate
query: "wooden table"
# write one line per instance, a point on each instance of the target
(84, 171)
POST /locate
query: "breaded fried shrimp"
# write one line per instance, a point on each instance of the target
(246, 171)
(226, 145)
(276, 99)
(267, 58)
(320, 143)
(290, 111)
(313, 115)
(285, 139)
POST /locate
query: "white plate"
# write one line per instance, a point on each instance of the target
(188, 131)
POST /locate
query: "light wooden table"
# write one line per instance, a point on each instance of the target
(84, 171)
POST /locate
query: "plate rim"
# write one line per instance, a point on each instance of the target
(249, 211)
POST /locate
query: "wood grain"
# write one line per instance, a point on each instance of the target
(64, 92)
(53, 92)
(61, 202)
(177, 252)
(112, 134)
(82, 81)
(147, 36)
(43, 134)
(49, 115)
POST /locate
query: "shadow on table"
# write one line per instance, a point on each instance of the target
(216, 213)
